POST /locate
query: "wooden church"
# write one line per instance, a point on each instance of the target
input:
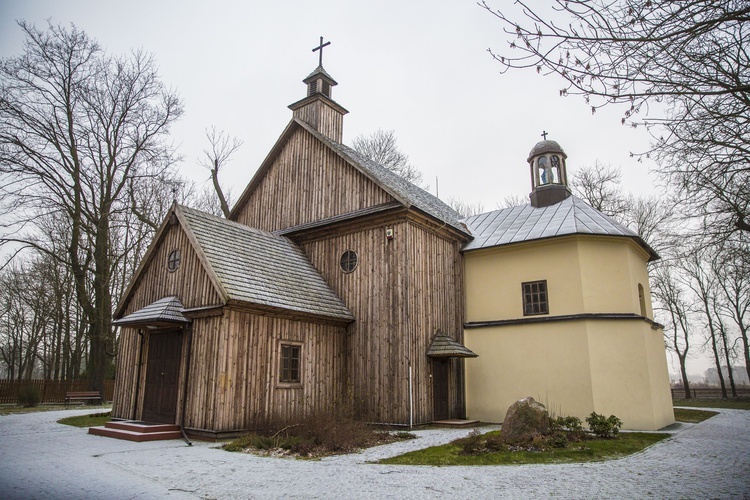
(334, 281)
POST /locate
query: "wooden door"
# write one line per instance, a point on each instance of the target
(440, 374)
(162, 377)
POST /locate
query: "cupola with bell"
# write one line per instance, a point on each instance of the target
(317, 109)
(549, 178)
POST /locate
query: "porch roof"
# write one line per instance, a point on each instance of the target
(164, 312)
(443, 346)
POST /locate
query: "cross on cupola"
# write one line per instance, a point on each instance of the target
(320, 48)
(544, 132)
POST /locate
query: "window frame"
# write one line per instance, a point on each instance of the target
(533, 297)
(285, 375)
(174, 258)
(347, 259)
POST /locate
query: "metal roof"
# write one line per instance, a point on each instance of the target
(262, 268)
(527, 223)
(443, 346)
(165, 311)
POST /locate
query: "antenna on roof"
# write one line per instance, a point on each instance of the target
(437, 190)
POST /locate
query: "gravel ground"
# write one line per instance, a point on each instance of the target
(42, 459)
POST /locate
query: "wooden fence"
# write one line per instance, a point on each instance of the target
(711, 393)
(51, 391)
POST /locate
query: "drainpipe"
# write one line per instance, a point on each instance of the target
(138, 374)
(411, 401)
(189, 331)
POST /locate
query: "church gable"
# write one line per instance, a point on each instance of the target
(171, 267)
(304, 181)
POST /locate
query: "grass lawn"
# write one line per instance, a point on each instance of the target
(15, 409)
(692, 416)
(91, 420)
(587, 451)
(732, 404)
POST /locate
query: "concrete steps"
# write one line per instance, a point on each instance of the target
(138, 431)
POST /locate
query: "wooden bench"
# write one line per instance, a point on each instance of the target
(82, 396)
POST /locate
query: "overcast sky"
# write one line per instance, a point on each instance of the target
(418, 67)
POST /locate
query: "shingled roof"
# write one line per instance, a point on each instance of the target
(163, 312)
(261, 268)
(527, 223)
(443, 346)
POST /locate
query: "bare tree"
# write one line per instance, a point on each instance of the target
(698, 276)
(381, 148)
(678, 332)
(734, 280)
(221, 148)
(79, 127)
(466, 208)
(599, 186)
(684, 65)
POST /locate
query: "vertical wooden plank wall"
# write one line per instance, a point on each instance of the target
(128, 344)
(436, 303)
(307, 182)
(322, 118)
(189, 282)
(401, 293)
(234, 376)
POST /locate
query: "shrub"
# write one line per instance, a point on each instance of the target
(405, 435)
(558, 440)
(28, 396)
(495, 442)
(471, 444)
(604, 427)
(571, 427)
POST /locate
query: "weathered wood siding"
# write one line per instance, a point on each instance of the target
(190, 282)
(435, 268)
(127, 365)
(401, 292)
(130, 382)
(234, 374)
(323, 118)
(307, 182)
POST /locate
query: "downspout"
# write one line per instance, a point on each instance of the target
(189, 332)
(138, 374)
(408, 322)
(411, 401)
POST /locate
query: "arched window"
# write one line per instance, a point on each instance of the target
(544, 171)
(642, 299)
(555, 161)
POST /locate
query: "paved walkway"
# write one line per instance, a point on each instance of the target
(42, 459)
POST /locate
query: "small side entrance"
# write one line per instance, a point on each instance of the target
(162, 377)
(440, 400)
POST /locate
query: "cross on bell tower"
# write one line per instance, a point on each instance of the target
(318, 109)
(320, 48)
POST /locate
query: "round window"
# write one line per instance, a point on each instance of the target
(173, 260)
(348, 261)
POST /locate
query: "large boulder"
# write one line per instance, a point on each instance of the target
(525, 419)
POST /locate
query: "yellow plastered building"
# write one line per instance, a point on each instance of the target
(558, 307)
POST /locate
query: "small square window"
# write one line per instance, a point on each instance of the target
(290, 364)
(535, 298)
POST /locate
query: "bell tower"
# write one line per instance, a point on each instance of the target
(318, 109)
(549, 177)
